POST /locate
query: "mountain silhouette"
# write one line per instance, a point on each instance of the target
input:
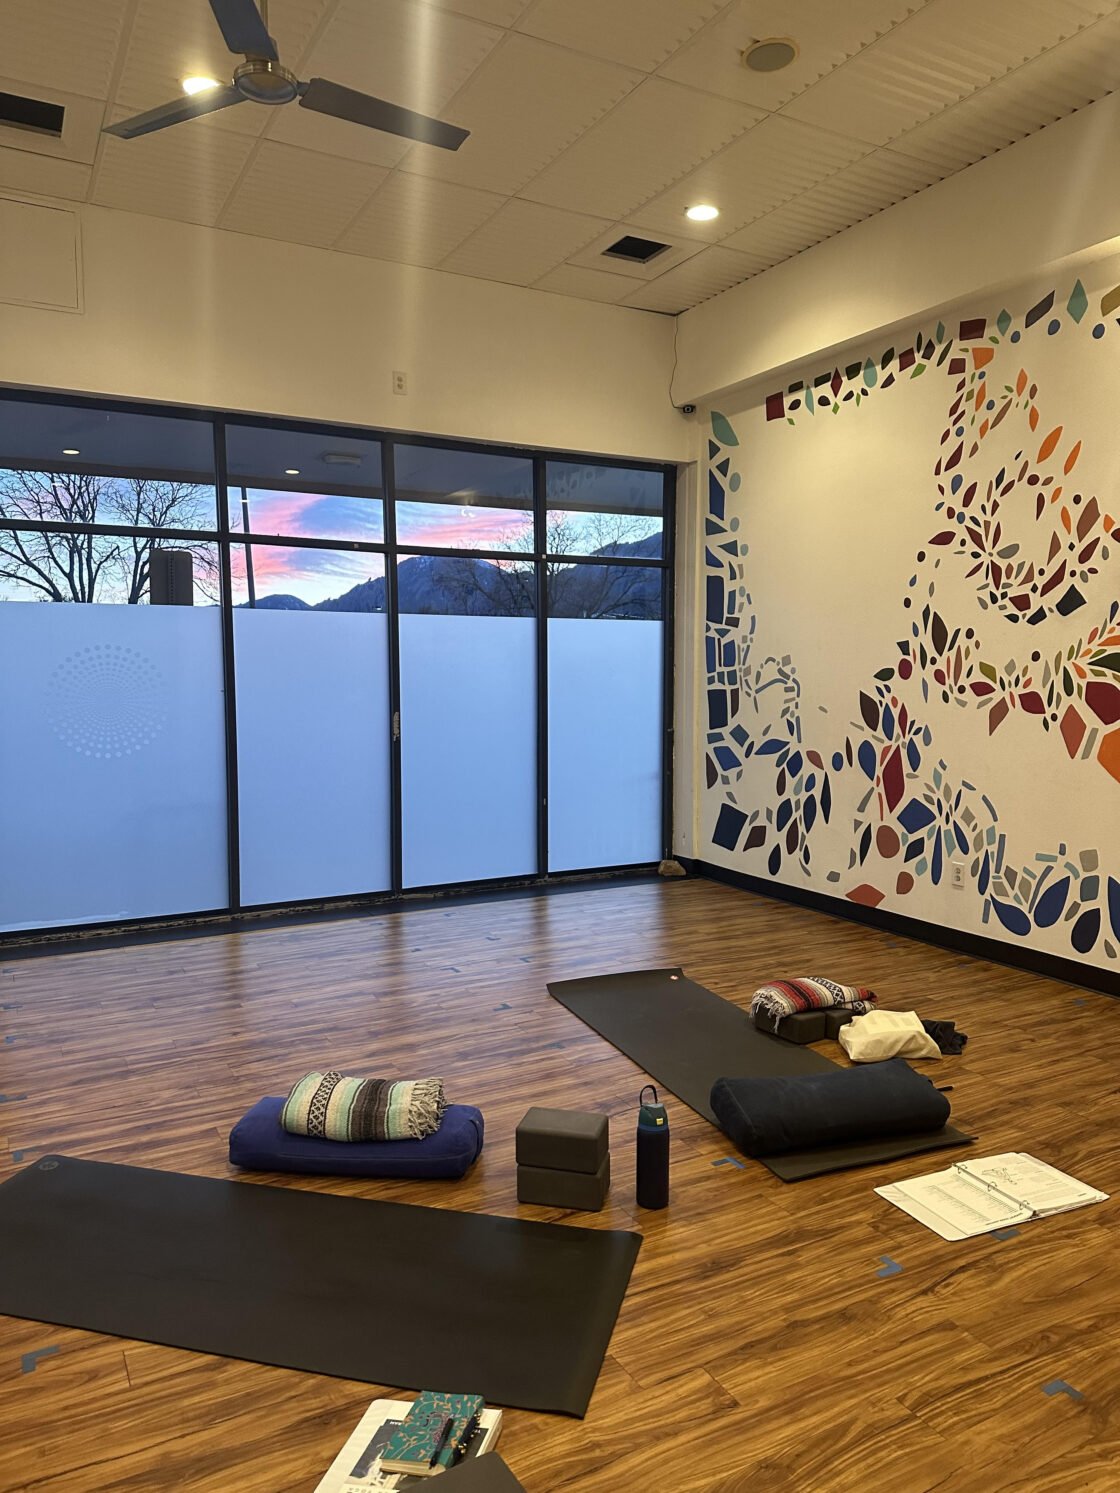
(439, 584)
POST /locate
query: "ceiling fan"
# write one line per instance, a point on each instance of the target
(262, 79)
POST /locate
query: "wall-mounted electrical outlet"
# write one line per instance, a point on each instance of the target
(400, 382)
(956, 875)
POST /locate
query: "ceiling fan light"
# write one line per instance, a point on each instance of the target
(199, 84)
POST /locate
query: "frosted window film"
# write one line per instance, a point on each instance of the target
(112, 753)
(312, 753)
(604, 743)
(468, 748)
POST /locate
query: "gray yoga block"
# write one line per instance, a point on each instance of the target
(567, 1140)
(554, 1188)
(801, 1027)
(835, 1017)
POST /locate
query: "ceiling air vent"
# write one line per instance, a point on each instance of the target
(34, 114)
(637, 250)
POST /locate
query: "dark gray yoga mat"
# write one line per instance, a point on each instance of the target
(685, 1037)
(387, 1293)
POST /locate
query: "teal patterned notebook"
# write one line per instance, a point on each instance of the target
(434, 1434)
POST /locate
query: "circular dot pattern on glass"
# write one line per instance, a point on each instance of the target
(107, 701)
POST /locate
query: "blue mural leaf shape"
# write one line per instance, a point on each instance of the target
(809, 813)
(985, 874)
(1014, 919)
(826, 810)
(866, 755)
(915, 816)
(721, 429)
(1114, 904)
(1085, 930)
(1050, 906)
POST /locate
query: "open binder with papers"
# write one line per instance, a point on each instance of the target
(992, 1192)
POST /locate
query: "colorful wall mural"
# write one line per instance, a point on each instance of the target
(1007, 624)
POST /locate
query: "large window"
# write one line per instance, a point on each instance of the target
(245, 665)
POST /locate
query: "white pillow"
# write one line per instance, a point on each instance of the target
(886, 1034)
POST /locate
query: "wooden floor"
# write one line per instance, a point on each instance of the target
(758, 1348)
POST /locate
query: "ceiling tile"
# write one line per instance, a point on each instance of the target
(701, 277)
(186, 172)
(637, 33)
(496, 12)
(657, 134)
(1069, 76)
(333, 137)
(588, 285)
(527, 102)
(826, 32)
(417, 220)
(771, 163)
(299, 195)
(43, 176)
(400, 50)
(67, 44)
(940, 55)
(522, 241)
(867, 186)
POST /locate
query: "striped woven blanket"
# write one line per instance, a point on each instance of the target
(809, 993)
(335, 1107)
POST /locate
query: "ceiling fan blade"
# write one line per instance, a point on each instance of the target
(176, 112)
(244, 29)
(379, 114)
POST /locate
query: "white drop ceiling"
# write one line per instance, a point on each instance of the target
(589, 119)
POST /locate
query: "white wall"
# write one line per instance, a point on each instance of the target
(824, 534)
(186, 314)
(1051, 197)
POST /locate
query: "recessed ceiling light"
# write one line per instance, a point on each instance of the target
(199, 85)
(70, 451)
(770, 54)
(703, 212)
(291, 471)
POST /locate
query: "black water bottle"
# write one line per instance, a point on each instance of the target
(653, 1152)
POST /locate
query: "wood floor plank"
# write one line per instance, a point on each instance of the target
(757, 1349)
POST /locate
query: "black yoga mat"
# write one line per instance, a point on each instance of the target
(685, 1037)
(388, 1293)
(485, 1474)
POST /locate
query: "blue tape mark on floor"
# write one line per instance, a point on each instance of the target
(890, 1267)
(730, 1161)
(1078, 1001)
(29, 1360)
(1060, 1387)
(505, 1006)
(1005, 1233)
(11, 1098)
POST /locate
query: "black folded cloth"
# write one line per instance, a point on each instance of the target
(766, 1116)
(945, 1034)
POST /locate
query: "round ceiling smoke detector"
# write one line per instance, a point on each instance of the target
(770, 54)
